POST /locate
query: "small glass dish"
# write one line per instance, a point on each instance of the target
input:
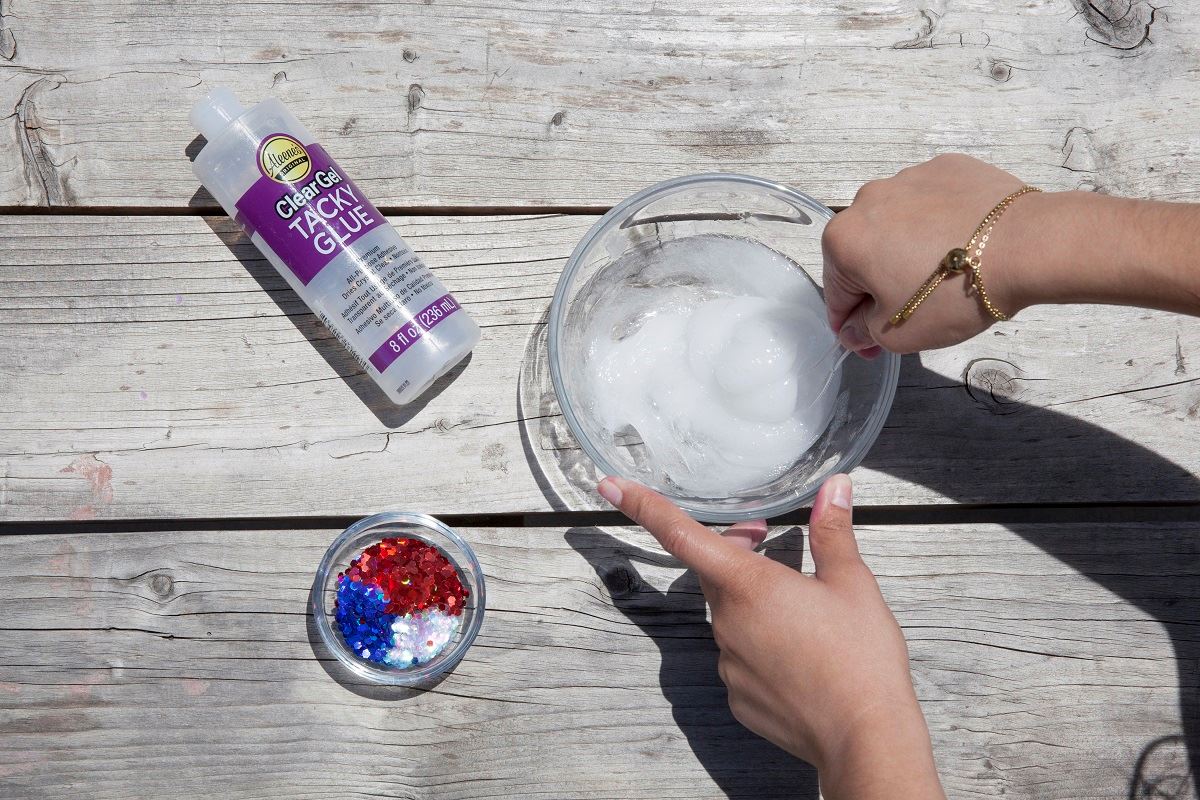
(369, 531)
(721, 205)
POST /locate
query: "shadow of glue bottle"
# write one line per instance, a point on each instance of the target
(331, 245)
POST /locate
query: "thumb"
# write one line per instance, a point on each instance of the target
(855, 333)
(711, 556)
(831, 532)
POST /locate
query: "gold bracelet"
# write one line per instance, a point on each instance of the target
(961, 259)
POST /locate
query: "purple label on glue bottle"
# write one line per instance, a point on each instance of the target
(409, 334)
(304, 207)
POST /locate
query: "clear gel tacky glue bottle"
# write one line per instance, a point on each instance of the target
(334, 248)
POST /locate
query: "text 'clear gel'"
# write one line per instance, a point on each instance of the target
(334, 248)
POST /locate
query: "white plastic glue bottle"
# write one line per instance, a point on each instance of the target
(334, 248)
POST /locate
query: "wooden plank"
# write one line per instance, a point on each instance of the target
(146, 373)
(538, 103)
(1047, 658)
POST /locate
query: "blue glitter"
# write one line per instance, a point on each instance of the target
(360, 616)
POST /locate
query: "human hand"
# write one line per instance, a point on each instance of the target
(816, 664)
(896, 232)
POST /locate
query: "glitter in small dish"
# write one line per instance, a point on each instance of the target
(398, 598)
(400, 602)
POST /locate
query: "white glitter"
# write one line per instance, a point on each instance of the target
(418, 638)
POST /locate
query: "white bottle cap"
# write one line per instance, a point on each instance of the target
(213, 114)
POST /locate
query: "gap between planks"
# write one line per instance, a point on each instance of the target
(387, 211)
(999, 514)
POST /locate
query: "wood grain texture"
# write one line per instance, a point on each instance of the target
(156, 367)
(535, 103)
(1047, 658)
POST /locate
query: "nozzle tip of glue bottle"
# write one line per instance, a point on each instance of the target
(215, 111)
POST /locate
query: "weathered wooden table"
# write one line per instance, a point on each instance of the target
(181, 440)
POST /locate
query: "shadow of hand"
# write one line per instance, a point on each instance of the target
(740, 763)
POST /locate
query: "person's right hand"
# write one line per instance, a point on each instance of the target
(883, 247)
(1052, 247)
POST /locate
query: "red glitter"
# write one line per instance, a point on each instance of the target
(413, 575)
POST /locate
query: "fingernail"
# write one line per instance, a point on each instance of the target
(610, 491)
(871, 353)
(748, 534)
(840, 491)
(854, 339)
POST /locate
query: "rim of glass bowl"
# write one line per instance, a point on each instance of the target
(558, 308)
(432, 528)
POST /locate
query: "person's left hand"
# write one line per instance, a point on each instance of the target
(816, 664)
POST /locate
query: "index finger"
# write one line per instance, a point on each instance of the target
(704, 551)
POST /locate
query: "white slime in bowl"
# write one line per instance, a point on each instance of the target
(715, 352)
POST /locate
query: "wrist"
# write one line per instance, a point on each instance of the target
(882, 755)
(1025, 265)
(1061, 247)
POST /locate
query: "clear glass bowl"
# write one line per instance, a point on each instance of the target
(783, 219)
(361, 535)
